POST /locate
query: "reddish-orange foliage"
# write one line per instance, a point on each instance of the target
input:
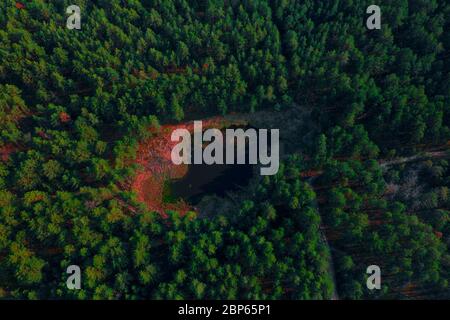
(5, 151)
(310, 173)
(154, 155)
(64, 117)
(43, 135)
(20, 5)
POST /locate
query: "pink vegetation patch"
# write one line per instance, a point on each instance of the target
(6, 151)
(154, 155)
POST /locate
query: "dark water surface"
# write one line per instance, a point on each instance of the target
(218, 179)
(203, 179)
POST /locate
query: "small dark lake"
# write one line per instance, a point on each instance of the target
(203, 179)
(218, 179)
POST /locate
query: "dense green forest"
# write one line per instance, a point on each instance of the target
(369, 186)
